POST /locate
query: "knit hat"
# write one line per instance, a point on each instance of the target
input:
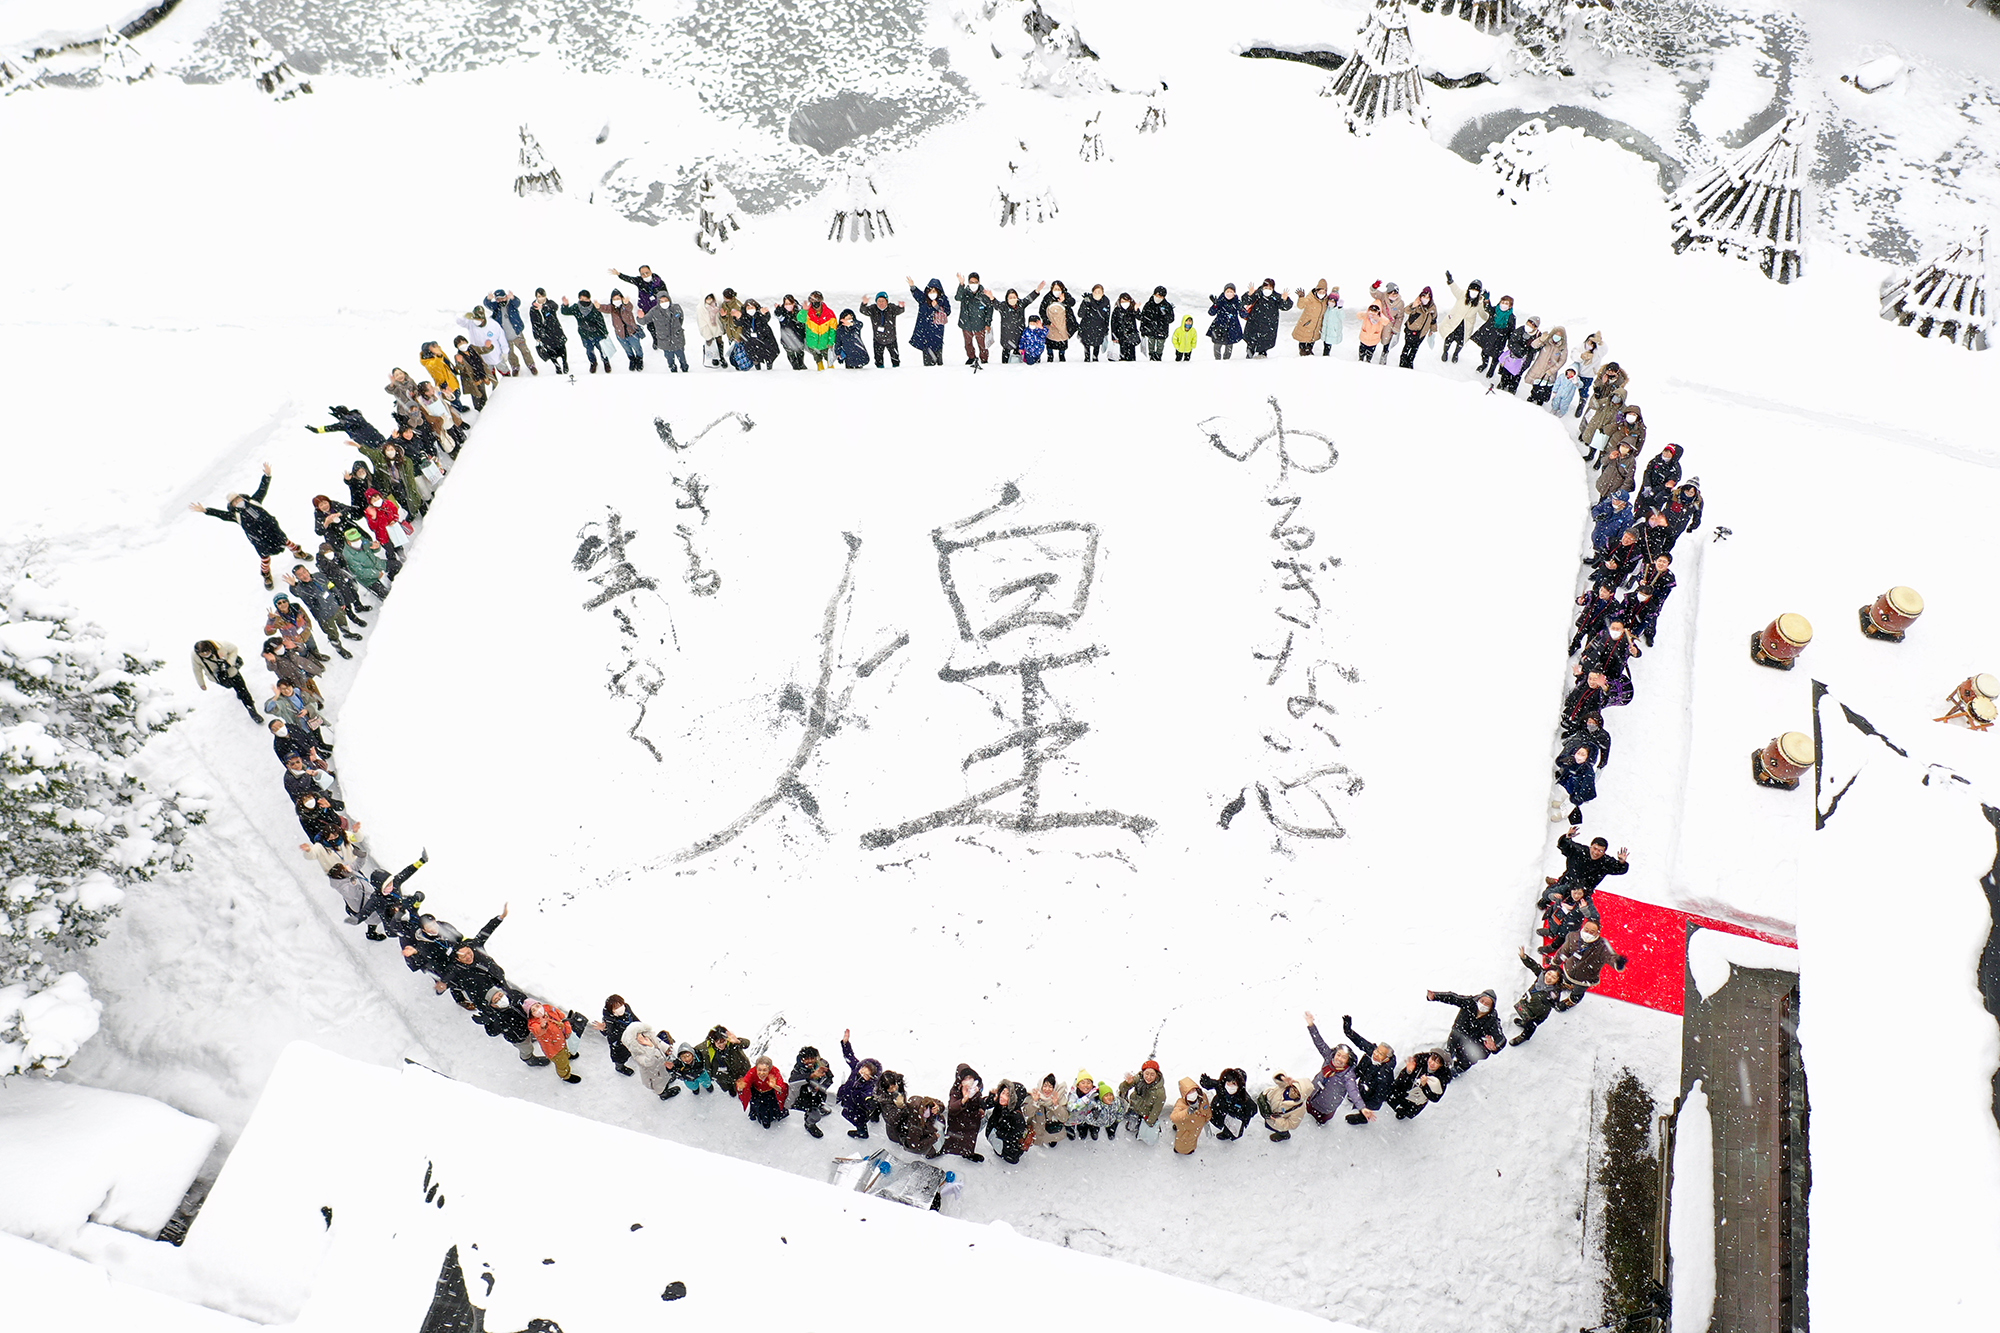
(881, 296)
(1153, 1065)
(352, 536)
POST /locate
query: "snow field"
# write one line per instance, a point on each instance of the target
(73, 1154)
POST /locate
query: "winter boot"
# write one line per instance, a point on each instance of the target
(350, 634)
(816, 1131)
(1224, 1135)
(343, 652)
(593, 365)
(1356, 1118)
(573, 1078)
(1279, 1136)
(639, 361)
(1517, 1040)
(975, 1157)
(1111, 1131)
(375, 933)
(536, 1060)
(268, 585)
(857, 1133)
(673, 1091)
(626, 1070)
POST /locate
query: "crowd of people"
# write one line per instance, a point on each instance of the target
(391, 485)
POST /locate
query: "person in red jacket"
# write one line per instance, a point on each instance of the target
(762, 1092)
(550, 1028)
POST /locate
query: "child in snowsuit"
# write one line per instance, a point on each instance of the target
(1092, 1107)
(689, 1069)
(1190, 1116)
(1034, 340)
(1185, 338)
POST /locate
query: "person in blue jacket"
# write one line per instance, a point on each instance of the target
(933, 309)
(1225, 325)
(1576, 774)
(506, 308)
(1614, 515)
(1563, 396)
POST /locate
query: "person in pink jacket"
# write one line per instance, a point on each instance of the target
(1374, 328)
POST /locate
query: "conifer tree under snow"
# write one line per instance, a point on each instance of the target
(274, 74)
(1945, 296)
(1752, 203)
(1380, 79)
(77, 825)
(536, 175)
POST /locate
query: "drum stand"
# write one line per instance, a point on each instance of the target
(1874, 631)
(1958, 711)
(1777, 663)
(1762, 775)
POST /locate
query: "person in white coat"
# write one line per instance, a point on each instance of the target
(486, 339)
(649, 1055)
(219, 660)
(708, 323)
(1470, 306)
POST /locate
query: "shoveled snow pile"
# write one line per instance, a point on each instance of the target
(1714, 955)
(1691, 1216)
(71, 1155)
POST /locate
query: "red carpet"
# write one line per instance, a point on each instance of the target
(1654, 942)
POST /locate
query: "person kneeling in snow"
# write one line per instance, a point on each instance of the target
(1190, 1117)
(762, 1092)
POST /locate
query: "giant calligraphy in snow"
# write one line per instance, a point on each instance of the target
(1302, 787)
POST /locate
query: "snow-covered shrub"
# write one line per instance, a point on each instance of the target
(274, 74)
(119, 60)
(716, 219)
(76, 823)
(860, 215)
(1519, 161)
(1380, 80)
(1752, 204)
(1048, 51)
(1024, 196)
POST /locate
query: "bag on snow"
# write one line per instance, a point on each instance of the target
(1618, 693)
(1147, 1133)
(1540, 393)
(739, 356)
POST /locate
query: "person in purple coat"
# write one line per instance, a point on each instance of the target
(857, 1093)
(1337, 1080)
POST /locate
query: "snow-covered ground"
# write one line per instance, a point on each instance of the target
(209, 270)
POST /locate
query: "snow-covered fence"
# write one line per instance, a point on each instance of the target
(1751, 204)
(1380, 80)
(1944, 297)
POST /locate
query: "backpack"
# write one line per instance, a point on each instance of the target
(1618, 693)
(739, 356)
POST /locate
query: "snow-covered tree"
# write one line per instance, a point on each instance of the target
(274, 74)
(536, 175)
(1024, 196)
(1541, 36)
(1752, 203)
(1380, 79)
(1485, 15)
(1520, 161)
(1038, 37)
(76, 823)
(716, 219)
(1944, 297)
(860, 215)
(19, 74)
(120, 60)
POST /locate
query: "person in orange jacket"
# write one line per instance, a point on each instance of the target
(762, 1092)
(550, 1028)
(1374, 328)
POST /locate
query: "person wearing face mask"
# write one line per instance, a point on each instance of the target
(708, 323)
(1390, 298)
(1306, 329)
(758, 339)
(1012, 317)
(1419, 322)
(933, 317)
(1476, 1032)
(1058, 320)
(1260, 332)
(1516, 353)
(1156, 322)
(975, 314)
(260, 527)
(1551, 355)
(822, 329)
(1007, 1127)
(1185, 339)
(618, 1017)
(625, 328)
(550, 340)
(1225, 322)
(882, 316)
(1190, 1117)
(1606, 651)
(1577, 776)
(1582, 960)
(1469, 309)
(589, 326)
(965, 1110)
(1421, 1081)
(1337, 1082)
(668, 326)
(1231, 1101)
(1491, 338)
(1124, 327)
(1093, 322)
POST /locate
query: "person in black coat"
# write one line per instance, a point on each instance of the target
(1662, 474)
(1540, 1000)
(1260, 324)
(504, 1015)
(1125, 327)
(758, 339)
(287, 737)
(1093, 322)
(260, 529)
(882, 316)
(1231, 1101)
(1007, 1127)
(1607, 651)
(1589, 696)
(1599, 605)
(1421, 1081)
(1476, 1032)
(617, 1017)
(1587, 867)
(1156, 322)
(1565, 907)
(1656, 584)
(1012, 315)
(1683, 508)
(1589, 732)
(1376, 1072)
(348, 421)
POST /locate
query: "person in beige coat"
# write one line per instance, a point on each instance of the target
(1283, 1105)
(1470, 307)
(1312, 317)
(219, 660)
(649, 1054)
(1607, 396)
(1190, 1116)
(1551, 355)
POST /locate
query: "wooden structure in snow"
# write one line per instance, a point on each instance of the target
(862, 217)
(1944, 297)
(1752, 204)
(1485, 15)
(716, 220)
(119, 61)
(1380, 79)
(275, 74)
(537, 176)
